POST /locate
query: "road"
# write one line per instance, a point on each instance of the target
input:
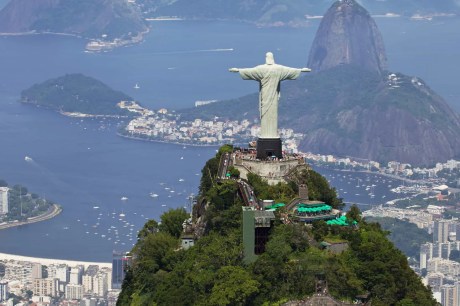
(52, 212)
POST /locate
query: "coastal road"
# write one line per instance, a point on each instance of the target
(52, 212)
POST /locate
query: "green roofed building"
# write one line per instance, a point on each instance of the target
(311, 211)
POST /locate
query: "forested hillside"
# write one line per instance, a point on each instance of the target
(213, 271)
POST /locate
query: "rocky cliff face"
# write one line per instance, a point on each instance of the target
(349, 111)
(87, 18)
(354, 107)
(347, 35)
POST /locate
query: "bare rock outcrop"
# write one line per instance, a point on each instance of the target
(347, 35)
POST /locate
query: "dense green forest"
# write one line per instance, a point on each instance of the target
(213, 272)
(76, 93)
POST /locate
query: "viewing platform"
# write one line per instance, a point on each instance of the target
(274, 170)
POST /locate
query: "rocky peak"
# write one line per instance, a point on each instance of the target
(347, 35)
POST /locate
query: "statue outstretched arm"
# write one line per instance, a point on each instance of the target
(234, 70)
(305, 69)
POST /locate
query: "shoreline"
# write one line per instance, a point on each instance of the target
(38, 33)
(98, 44)
(55, 210)
(50, 261)
(382, 174)
(83, 115)
(169, 142)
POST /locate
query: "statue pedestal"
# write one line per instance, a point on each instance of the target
(273, 171)
(268, 148)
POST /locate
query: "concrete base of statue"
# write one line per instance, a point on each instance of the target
(273, 171)
(268, 148)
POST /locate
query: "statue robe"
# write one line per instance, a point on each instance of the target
(269, 78)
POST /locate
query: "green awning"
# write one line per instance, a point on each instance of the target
(342, 221)
(314, 209)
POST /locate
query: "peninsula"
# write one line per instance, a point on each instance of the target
(19, 207)
(107, 24)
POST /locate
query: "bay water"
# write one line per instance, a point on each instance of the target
(85, 167)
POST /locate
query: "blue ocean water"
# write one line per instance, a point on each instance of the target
(84, 166)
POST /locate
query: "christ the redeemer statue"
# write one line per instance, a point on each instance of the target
(269, 77)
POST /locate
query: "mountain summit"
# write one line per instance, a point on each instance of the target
(347, 35)
(353, 106)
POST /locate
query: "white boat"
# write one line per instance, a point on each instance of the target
(153, 195)
(181, 180)
(28, 159)
(122, 215)
(136, 86)
(124, 198)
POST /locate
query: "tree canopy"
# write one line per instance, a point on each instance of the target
(76, 93)
(213, 272)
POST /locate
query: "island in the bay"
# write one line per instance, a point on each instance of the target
(77, 95)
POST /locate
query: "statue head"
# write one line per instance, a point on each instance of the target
(269, 60)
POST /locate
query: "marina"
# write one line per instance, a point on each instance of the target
(368, 190)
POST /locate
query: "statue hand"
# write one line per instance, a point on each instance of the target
(305, 70)
(234, 70)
